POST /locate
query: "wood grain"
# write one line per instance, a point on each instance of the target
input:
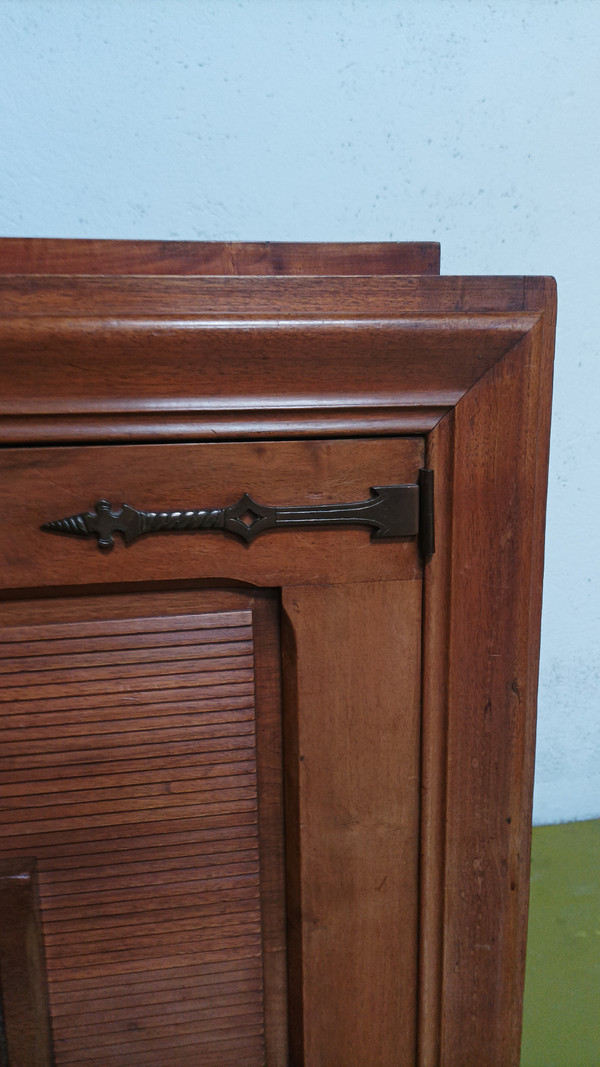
(25, 1038)
(351, 664)
(37, 485)
(498, 485)
(288, 361)
(149, 871)
(116, 371)
(269, 765)
(434, 726)
(47, 256)
(250, 297)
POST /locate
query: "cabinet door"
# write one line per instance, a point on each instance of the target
(153, 717)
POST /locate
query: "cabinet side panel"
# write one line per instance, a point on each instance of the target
(497, 526)
(352, 691)
(129, 772)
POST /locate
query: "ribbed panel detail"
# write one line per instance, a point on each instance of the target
(128, 769)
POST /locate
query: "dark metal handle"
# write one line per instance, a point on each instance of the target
(391, 511)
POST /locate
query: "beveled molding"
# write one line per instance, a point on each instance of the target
(467, 362)
(163, 358)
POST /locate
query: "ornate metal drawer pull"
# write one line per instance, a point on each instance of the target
(391, 511)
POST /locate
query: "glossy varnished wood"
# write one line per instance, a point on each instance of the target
(47, 256)
(209, 358)
(146, 375)
(463, 363)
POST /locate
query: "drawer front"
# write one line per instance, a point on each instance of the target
(42, 485)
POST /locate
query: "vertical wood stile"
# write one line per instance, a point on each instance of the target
(353, 697)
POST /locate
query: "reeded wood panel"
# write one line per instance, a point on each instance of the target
(129, 770)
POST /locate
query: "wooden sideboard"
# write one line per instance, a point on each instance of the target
(266, 741)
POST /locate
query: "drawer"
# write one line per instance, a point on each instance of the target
(40, 485)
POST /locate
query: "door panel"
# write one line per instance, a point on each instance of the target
(142, 744)
(131, 776)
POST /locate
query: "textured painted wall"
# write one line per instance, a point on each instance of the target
(474, 123)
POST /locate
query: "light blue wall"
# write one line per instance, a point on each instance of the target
(473, 123)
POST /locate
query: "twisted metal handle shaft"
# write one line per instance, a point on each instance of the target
(390, 511)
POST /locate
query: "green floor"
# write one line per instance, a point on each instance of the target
(561, 1026)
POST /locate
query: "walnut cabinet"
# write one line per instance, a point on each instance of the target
(265, 756)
